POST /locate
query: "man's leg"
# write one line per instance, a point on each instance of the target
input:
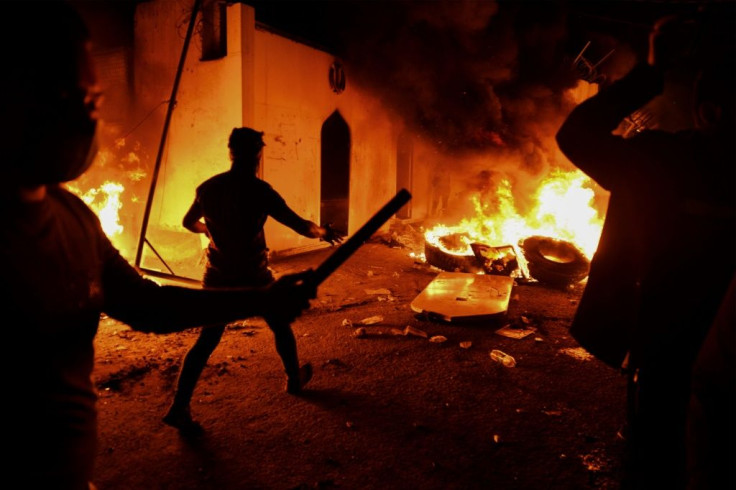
(656, 447)
(191, 369)
(285, 342)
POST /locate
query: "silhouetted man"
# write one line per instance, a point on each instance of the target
(231, 208)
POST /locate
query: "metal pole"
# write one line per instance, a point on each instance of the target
(167, 121)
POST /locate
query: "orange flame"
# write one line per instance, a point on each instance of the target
(563, 209)
(105, 202)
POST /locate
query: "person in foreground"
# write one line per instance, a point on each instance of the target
(231, 208)
(60, 270)
(668, 248)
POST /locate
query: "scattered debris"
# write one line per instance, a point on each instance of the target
(466, 344)
(500, 261)
(397, 332)
(347, 322)
(438, 339)
(378, 291)
(349, 303)
(409, 330)
(359, 332)
(552, 413)
(515, 332)
(595, 461)
(503, 358)
(371, 320)
(578, 353)
(238, 325)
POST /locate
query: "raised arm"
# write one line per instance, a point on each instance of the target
(586, 137)
(193, 219)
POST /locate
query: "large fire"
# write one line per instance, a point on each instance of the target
(563, 208)
(105, 202)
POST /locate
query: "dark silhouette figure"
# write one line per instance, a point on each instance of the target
(60, 271)
(234, 206)
(667, 249)
(712, 411)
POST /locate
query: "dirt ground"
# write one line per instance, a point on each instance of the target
(382, 411)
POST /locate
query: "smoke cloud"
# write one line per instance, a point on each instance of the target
(468, 75)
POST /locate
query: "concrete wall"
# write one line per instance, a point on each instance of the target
(209, 105)
(293, 98)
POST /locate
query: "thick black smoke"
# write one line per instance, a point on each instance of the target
(469, 75)
(474, 75)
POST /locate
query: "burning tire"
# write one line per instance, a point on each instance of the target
(450, 262)
(554, 261)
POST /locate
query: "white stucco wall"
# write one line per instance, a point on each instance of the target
(292, 100)
(208, 106)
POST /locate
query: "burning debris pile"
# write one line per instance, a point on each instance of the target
(545, 259)
(551, 243)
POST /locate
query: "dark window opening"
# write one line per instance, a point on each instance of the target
(335, 173)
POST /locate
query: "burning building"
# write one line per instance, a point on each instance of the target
(472, 142)
(456, 103)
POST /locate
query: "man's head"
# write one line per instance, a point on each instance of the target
(48, 95)
(245, 149)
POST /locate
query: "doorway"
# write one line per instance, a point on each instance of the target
(335, 173)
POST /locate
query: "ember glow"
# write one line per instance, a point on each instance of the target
(563, 208)
(105, 202)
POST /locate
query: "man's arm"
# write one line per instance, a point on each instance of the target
(193, 219)
(586, 136)
(282, 213)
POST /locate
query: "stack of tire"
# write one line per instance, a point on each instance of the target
(553, 261)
